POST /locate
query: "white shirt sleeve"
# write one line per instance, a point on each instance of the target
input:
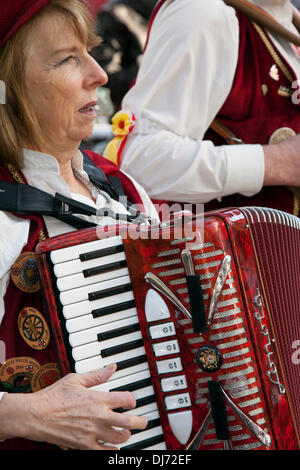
(185, 77)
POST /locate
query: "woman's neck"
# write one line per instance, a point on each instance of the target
(64, 160)
(74, 184)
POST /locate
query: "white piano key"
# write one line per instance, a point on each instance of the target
(72, 296)
(116, 383)
(143, 410)
(88, 321)
(129, 371)
(152, 415)
(160, 446)
(76, 266)
(96, 362)
(143, 392)
(91, 334)
(78, 280)
(93, 349)
(86, 307)
(142, 436)
(72, 252)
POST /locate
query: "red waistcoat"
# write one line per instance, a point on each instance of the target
(15, 300)
(255, 108)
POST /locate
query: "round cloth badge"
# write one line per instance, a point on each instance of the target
(16, 374)
(24, 273)
(33, 328)
(45, 376)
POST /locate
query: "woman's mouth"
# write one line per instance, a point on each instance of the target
(89, 110)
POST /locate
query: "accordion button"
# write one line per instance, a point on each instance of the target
(165, 348)
(171, 384)
(174, 402)
(169, 365)
(162, 330)
(181, 425)
(155, 307)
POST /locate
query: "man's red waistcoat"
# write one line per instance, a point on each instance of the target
(15, 300)
(251, 113)
(255, 109)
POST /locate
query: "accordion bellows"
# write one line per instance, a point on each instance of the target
(230, 383)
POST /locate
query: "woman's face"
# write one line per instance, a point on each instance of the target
(61, 80)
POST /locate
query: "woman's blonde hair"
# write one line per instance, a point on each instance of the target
(18, 122)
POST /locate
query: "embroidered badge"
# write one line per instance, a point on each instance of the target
(16, 374)
(24, 273)
(33, 328)
(45, 376)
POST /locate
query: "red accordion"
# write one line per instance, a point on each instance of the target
(201, 317)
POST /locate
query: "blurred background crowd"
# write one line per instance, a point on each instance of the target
(122, 26)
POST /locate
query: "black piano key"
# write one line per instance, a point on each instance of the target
(133, 386)
(110, 250)
(103, 269)
(153, 423)
(100, 312)
(139, 402)
(146, 443)
(122, 348)
(102, 294)
(134, 361)
(125, 330)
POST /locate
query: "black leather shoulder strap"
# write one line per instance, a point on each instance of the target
(99, 178)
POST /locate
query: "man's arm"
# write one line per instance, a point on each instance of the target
(185, 77)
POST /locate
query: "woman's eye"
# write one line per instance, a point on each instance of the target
(69, 59)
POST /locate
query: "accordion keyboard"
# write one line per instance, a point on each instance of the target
(102, 326)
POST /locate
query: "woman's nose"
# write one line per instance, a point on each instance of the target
(95, 76)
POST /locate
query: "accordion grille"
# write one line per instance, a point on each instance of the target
(277, 240)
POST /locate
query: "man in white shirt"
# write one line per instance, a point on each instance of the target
(195, 63)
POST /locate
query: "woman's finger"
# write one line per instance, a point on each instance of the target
(96, 377)
(127, 420)
(113, 436)
(123, 400)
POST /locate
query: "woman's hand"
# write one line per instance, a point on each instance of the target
(69, 414)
